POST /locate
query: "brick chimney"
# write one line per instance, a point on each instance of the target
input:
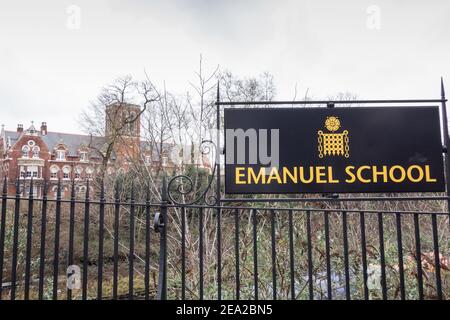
(20, 127)
(44, 128)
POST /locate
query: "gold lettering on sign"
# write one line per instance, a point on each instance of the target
(327, 175)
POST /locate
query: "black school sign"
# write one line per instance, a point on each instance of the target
(333, 150)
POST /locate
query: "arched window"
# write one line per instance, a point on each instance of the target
(54, 172)
(25, 151)
(89, 172)
(78, 171)
(80, 189)
(36, 151)
(66, 172)
(55, 190)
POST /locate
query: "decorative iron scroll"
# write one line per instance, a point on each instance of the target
(181, 185)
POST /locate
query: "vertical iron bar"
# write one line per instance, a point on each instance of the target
(131, 249)
(418, 256)
(274, 257)
(362, 222)
(15, 241)
(71, 232)
(183, 253)
(446, 142)
(327, 254)
(101, 222)
(86, 243)
(291, 254)
(218, 195)
(255, 252)
(219, 253)
(382, 256)
(436, 257)
(56, 247)
(42, 244)
(116, 240)
(3, 231)
(447, 168)
(346, 264)
(200, 252)
(236, 254)
(398, 219)
(28, 245)
(310, 262)
(147, 246)
(162, 280)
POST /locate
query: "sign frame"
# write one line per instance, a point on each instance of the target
(328, 148)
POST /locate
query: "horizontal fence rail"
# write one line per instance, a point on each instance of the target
(114, 244)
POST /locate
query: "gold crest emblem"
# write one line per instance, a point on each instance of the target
(333, 143)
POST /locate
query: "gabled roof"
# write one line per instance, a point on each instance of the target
(72, 141)
(13, 136)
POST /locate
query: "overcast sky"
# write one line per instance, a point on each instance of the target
(52, 64)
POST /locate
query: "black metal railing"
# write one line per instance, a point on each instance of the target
(116, 246)
(314, 254)
(76, 247)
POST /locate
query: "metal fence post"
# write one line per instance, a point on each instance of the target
(446, 141)
(160, 226)
(218, 195)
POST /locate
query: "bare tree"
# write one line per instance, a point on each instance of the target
(260, 88)
(112, 125)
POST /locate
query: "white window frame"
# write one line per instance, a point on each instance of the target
(84, 156)
(25, 152)
(32, 173)
(54, 172)
(60, 155)
(36, 152)
(66, 172)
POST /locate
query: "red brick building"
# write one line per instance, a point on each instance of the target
(40, 155)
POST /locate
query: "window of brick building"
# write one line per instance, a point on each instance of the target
(36, 151)
(66, 172)
(25, 151)
(60, 155)
(89, 171)
(54, 172)
(32, 172)
(83, 156)
(77, 172)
